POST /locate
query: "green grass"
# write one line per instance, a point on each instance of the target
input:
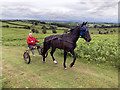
(13, 36)
(10, 25)
(95, 30)
(17, 74)
(18, 22)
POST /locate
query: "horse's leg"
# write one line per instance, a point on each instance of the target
(43, 54)
(52, 51)
(46, 46)
(65, 54)
(73, 53)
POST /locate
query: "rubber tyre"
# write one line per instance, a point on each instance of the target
(26, 57)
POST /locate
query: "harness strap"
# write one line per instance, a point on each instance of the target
(59, 38)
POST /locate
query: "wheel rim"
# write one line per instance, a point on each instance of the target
(26, 57)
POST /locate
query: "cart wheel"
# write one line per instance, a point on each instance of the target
(26, 57)
(45, 54)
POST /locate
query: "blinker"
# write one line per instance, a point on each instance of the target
(82, 30)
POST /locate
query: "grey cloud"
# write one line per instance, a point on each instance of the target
(77, 11)
(119, 12)
(102, 7)
(82, 2)
(107, 5)
(77, 6)
(9, 4)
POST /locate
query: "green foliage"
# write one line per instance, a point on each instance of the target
(101, 49)
(7, 26)
(37, 31)
(53, 27)
(34, 30)
(66, 31)
(27, 27)
(44, 31)
(95, 26)
(44, 27)
(54, 31)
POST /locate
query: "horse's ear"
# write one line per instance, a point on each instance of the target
(85, 23)
(82, 24)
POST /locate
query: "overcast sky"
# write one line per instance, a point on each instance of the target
(80, 10)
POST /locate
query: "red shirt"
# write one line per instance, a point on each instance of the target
(29, 39)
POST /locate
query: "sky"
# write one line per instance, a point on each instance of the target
(63, 10)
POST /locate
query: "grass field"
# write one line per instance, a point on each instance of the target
(17, 74)
(96, 65)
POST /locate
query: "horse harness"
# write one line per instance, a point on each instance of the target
(59, 39)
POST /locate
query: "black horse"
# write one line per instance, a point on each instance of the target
(67, 42)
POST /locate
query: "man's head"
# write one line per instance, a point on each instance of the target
(30, 35)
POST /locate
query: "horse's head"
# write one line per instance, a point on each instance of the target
(84, 33)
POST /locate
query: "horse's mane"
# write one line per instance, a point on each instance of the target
(81, 25)
(74, 28)
(71, 30)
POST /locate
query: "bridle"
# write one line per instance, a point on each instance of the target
(82, 32)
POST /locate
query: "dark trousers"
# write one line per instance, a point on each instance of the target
(31, 46)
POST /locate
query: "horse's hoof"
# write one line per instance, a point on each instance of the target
(71, 66)
(43, 61)
(55, 62)
(65, 68)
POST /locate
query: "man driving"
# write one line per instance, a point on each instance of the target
(31, 41)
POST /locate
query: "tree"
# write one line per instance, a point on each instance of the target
(43, 27)
(36, 23)
(27, 27)
(95, 26)
(7, 26)
(37, 31)
(33, 30)
(53, 27)
(44, 31)
(54, 31)
(102, 26)
(66, 31)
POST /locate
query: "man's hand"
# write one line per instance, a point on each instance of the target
(38, 40)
